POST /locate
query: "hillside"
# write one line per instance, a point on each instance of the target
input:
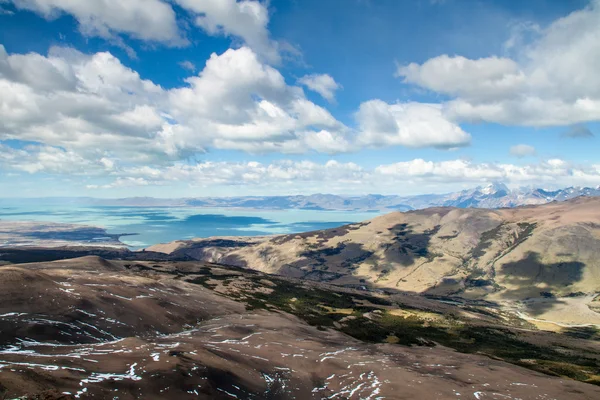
(546, 257)
(92, 328)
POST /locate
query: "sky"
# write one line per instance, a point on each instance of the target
(191, 98)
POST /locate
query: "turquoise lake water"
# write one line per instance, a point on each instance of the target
(154, 225)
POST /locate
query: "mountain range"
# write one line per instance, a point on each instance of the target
(494, 195)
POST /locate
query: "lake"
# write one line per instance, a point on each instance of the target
(154, 225)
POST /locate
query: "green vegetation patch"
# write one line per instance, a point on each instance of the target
(485, 241)
(366, 317)
(495, 342)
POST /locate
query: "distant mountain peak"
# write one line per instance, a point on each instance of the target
(494, 187)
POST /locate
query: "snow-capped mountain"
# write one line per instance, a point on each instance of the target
(497, 195)
(494, 195)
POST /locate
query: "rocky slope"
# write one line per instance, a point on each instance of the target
(91, 328)
(546, 257)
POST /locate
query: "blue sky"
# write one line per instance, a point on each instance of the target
(113, 98)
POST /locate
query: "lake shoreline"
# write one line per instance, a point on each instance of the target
(140, 227)
(29, 234)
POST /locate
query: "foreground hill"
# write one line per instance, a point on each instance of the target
(547, 257)
(91, 328)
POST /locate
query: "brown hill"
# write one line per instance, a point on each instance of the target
(90, 328)
(545, 257)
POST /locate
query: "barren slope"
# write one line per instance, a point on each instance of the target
(91, 328)
(549, 252)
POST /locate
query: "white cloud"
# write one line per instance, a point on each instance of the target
(47, 159)
(551, 81)
(486, 78)
(122, 183)
(91, 103)
(555, 172)
(107, 163)
(323, 84)
(458, 170)
(80, 102)
(414, 176)
(92, 112)
(286, 176)
(522, 150)
(150, 20)
(246, 19)
(408, 124)
(283, 172)
(239, 102)
(328, 142)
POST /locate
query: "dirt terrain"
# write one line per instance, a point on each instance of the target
(50, 234)
(440, 303)
(543, 261)
(92, 328)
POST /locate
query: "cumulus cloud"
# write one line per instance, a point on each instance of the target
(91, 112)
(247, 20)
(91, 103)
(149, 20)
(408, 124)
(48, 159)
(323, 84)
(551, 81)
(486, 78)
(156, 21)
(246, 104)
(522, 150)
(578, 132)
(79, 102)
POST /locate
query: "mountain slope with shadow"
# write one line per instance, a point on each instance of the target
(549, 252)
